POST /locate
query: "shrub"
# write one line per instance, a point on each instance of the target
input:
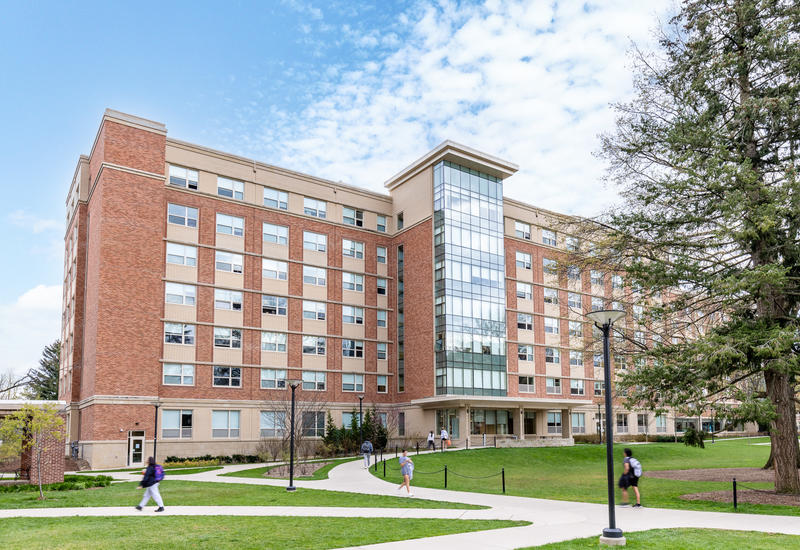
(70, 483)
(693, 438)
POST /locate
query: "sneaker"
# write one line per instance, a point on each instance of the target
(410, 494)
(160, 509)
(637, 505)
(139, 508)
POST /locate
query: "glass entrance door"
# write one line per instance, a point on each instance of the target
(449, 419)
(136, 448)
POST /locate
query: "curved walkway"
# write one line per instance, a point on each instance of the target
(553, 520)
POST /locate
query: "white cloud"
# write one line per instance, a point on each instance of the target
(527, 81)
(28, 324)
(21, 218)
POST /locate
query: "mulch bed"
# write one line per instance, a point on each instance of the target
(744, 495)
(300, 470)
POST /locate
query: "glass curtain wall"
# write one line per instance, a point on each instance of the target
(469, 279)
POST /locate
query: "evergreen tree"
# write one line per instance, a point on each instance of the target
(43, 380)
(705, 156)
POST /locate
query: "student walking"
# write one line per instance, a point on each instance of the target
(152, 477)
(445, 437)
(431, 441)
(366, 450)
(631, 472)
(407, 469)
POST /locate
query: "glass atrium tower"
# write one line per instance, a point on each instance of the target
(469, 278)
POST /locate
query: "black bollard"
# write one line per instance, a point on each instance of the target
(384, 469)
(734, 494)
(445, 476)
(376, 463)
(503, 475)
(417, 447)
(395, 451)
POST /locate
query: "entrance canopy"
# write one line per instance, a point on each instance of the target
(480, 401)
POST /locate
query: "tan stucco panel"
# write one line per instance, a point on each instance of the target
(177, 312)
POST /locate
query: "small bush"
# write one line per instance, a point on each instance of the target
(693, 438)
(70, 483)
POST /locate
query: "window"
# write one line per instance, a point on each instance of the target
(313, 207)
(273, 341)
(227, 299)
(273, 305)
(272, 423)
(597, 303)
(661, 423)
(276, 199)
(278, 234)
(273, 269)
(549, 266)
(523, 260)
(273, 379)
(576, 387)
(552, 355)
(382, 350)
(230, 188)
(573, 273)
(616, 281)
(351, 216)
(400, 223)
(551, 325)
(524, 291)
(551, 296)
(183, 177)
(353, 315)
(574, 300)
(314, 423)
(576, 358)
(575, 329)
(638, 336)
(227, 337)
(225, 423)
(548, 237)
(638, 312)
(622, 423)
(618, 306)
(597, 360)
(382, 383)
(314, 380)
(314, 275)
(225, 261)
(526, 384)
(313, 345)
(381, 223)
(351, 281)
(313, 310)
(525, 352)
(381, 286)
(598, 388)
(352, 382)
(177, 333)
(524, 321)
(597, 277)
(176, 374)
(181, 254)
(571, 243)
(579, 423)
(401, 424)
(352, 348)
(182, 215)
(554, 422)
(522, 230)
(176, 424)
(176, 293)
(230, 225)
(353, 249)
(381, 316)
(315, 241)
(230, 377)
(641, 423)
(553, 385)
(381, 253)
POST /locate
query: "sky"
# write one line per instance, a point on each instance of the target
(347, 91)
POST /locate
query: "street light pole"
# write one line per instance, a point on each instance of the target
(361, 416)
(603, 320)
(293, 384)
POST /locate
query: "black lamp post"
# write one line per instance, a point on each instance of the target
(292, 384)
(361, 416)
(603, 320)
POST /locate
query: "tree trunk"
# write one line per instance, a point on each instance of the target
(783, 432)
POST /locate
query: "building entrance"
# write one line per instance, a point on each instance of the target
(136, 448)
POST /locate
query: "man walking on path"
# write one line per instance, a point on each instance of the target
(445, 437)
(631, 472)
(366, 450)
(152, 477)
(431, 441)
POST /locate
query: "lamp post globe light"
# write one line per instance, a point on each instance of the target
(603, 320)
(361, 416)
(292, 384)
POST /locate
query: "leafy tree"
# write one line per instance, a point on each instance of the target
(34, 428)
(43, 380)
(705, 157)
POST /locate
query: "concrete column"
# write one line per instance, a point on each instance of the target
(521, 423)
(566, 423)
(518, 431)
(541, 422)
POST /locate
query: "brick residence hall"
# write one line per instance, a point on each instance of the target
(200, 282)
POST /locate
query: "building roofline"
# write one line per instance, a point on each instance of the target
(460, 154)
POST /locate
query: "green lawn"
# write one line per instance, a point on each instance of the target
(687, 539)
(579, 473)
(221, 532)
(198, 493)
(322, 473)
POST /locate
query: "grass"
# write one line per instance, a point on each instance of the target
(198, 493)
(579, 473)
(220, 532)
(322, 473)
(687, 539)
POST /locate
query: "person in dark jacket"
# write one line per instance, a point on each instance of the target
(150, 483)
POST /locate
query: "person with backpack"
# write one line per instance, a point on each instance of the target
(631, 472)
(153, 475)
(366, 450)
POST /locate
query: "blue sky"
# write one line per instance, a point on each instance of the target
(349, 91)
